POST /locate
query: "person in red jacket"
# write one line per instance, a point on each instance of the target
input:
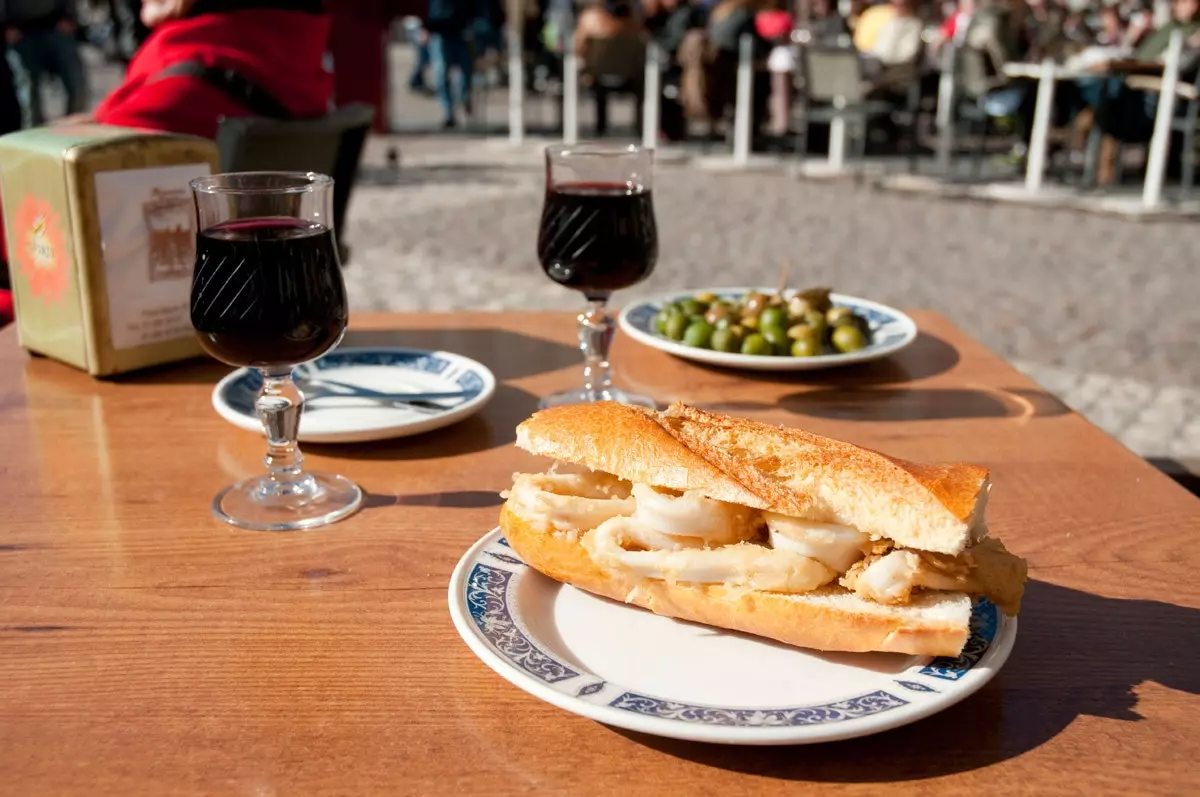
(206, 59)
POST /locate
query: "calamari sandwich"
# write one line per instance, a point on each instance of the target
(766, 530)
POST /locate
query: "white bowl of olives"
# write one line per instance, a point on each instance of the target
(769, 330)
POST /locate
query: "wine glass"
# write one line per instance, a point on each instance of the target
(267, 293)
(597, 236)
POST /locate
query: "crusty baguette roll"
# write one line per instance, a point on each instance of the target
(935, 508)
(933, 624)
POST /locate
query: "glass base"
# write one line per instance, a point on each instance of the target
(582, 396)
(260, 503)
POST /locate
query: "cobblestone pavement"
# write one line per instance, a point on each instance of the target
(1101, 311)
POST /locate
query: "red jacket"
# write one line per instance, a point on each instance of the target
(282, 52)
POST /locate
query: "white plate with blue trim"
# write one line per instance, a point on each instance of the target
(628, 668)
(891, 331)
(345, 394)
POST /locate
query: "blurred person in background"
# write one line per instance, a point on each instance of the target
(419, 38)
(10, 107)
(603, 19)
(42, 34)
(10, 121)
(671, 23)
(954, 26)
(1111, 31)
(727, 23)
(448, 22)
(488, 34)
(898, 42)
(826, 25)
(869, 22)
(207, 59)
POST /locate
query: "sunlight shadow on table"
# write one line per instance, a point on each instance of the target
(928, 356)
(458, 499)
(1076, 654)
(920, 404)
(509, 355)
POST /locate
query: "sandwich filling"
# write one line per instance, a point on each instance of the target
(690, 538)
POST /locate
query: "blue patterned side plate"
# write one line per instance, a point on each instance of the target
(345, 393)
(891, 331)
(629, 668)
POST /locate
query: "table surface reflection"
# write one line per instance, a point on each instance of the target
(146, 648)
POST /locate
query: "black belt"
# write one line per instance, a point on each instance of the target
(238, 88)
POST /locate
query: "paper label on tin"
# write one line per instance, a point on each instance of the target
(148, 237)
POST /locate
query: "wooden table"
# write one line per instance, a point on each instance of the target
(147, 649)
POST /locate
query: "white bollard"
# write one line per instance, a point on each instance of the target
(1160, 142)
(570, 115)
(652, 95)
(837, 138)
(945, 109)
(1036, 167)
(516, 89)
(743, 109)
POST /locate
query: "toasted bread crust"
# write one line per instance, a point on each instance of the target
(954, 485)
(844, 623)
(789, 471)
(629, 442)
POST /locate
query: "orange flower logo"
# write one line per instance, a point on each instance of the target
(40, 249)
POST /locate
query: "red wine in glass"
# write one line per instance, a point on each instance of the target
(267, 293)
(598, 237)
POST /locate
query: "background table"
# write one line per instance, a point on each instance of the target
(147, 649)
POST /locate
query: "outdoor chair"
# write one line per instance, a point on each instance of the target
(831, 85)
(331, 144)
(973, 83)
(614, 65)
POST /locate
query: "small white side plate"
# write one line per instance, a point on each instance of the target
(359, 418)
(626, 667)
(891, 331)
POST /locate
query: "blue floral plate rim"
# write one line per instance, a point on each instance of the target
(233, 397)
(892, 330)
(483, 594)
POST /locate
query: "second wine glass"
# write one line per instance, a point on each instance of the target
(597, 235)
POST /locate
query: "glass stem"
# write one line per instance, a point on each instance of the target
(596, 329)
(279, 405)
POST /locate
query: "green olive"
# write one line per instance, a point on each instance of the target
(706, 297)
(698, 334)
(806, 347)
(756, 344)
(798, 306)
(676, 325)
(660, 320)
(839, 315)
(753, 304)
(750, 321)
(797, 331)
(817, 298)
(848, 338)
(693, 307)
(726, 339)
(776, 335)
(717, 311)
(772, 317)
